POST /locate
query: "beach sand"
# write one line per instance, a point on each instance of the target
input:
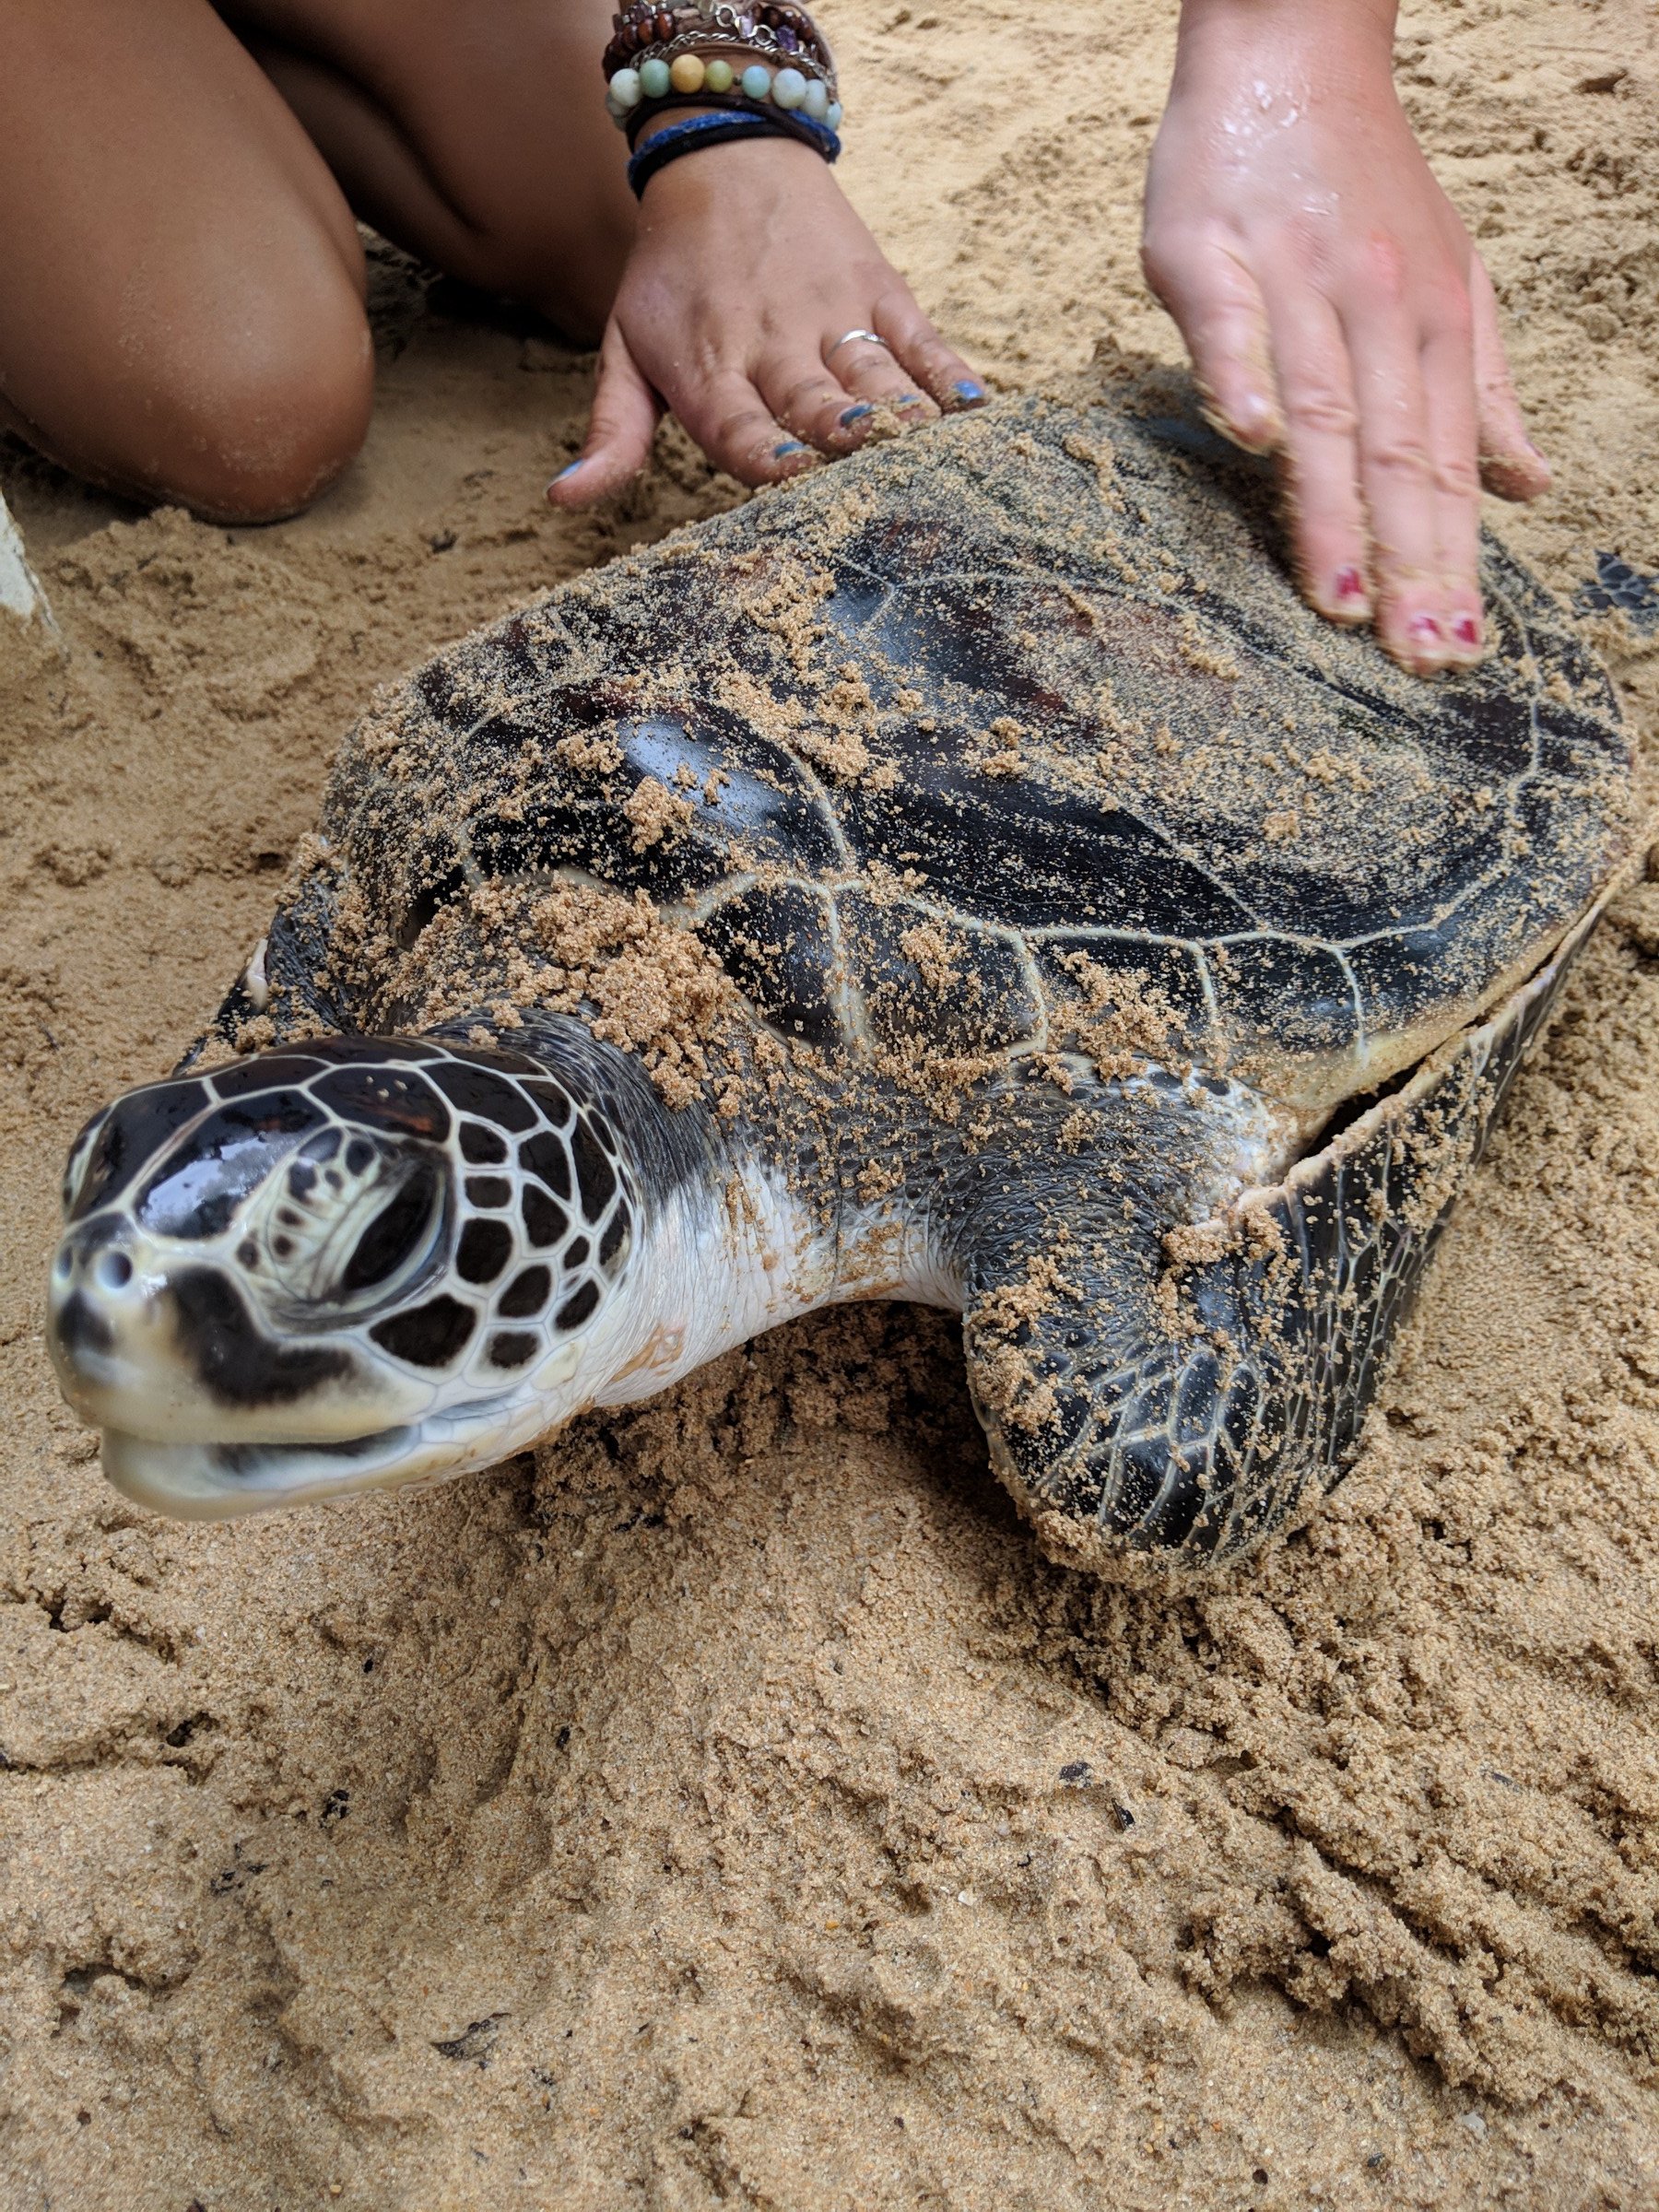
(728, 1805)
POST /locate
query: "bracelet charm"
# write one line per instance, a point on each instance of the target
(769, 58)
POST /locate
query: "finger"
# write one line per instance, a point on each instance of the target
(1397, 461)
(1448, 359)
(1510, 464)
(620, 428)
(1221, 314)
(1320, 452)
(740, 433)
(878, 380)
(917, 348)
(813, 405)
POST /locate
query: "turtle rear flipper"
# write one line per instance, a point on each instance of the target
(1180, 1393)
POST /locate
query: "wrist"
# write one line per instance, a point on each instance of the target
(1344, 35)
(749, 170)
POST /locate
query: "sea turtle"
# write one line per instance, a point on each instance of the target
(968, 875)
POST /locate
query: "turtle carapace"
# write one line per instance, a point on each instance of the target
(968, 875)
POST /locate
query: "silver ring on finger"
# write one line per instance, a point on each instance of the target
(870, 337)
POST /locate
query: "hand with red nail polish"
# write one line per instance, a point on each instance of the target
(1337, 313)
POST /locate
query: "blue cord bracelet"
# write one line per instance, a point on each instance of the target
(698, 131)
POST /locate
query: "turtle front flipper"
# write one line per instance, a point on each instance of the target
(280, 983)
(1179, 1392)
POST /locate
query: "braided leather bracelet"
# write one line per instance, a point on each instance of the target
(700, 131)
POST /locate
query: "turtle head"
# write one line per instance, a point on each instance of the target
(330, 1267)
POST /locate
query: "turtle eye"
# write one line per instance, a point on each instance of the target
(401, 1230)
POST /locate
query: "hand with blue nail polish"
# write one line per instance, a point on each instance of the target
(735, 326)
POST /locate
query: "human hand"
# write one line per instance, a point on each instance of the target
(749, 265)
(1337, 313)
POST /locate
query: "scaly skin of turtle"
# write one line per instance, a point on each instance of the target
(1170, 1446)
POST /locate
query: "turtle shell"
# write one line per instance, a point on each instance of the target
(1009, 736)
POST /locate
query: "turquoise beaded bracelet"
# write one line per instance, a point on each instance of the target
(688, 76)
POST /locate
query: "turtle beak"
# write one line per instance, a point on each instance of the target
(105, 1331)
(147, 1347)
(221, 1482)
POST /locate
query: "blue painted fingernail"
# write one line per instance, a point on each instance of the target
(857, 413)
(790, 445)
(570, 471)
(967, 388)
(908, 399)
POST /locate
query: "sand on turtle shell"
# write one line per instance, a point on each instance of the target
(729, 1806)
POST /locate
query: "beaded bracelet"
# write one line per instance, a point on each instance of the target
(662, 53)
(655, 84)
(640, 120)
(698, 131)
(776, 29)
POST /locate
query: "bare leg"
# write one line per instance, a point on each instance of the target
(472, 131)
(180, 281)
(180, 291)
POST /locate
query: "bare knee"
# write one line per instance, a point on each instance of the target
(260, 418)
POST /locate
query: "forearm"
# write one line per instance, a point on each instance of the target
(1341, 37)
(1358, 20)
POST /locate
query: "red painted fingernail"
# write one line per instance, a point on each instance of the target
(1350, 584)
(1466, 630)
(1424, 626)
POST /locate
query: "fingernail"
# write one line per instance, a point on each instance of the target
(1350, 584)
(856, 413)
(569, 471)
(1255, 425)
(1427, 638)
(908, 399)
(1466, 630)
(790, 445)
(966, 388)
